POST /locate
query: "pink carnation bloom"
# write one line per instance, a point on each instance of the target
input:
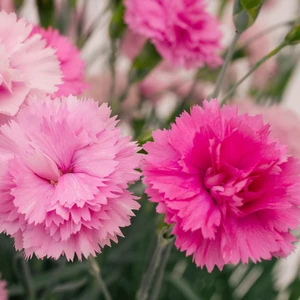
(26, 67)
(3, 290)
(230, 190)
(64, 175)
(71, 64)
(183, 32)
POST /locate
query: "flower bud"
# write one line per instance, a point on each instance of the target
(293, 37)
(245, 13)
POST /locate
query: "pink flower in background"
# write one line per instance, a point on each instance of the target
(71, 64)
(3, 290)
(165, 78)
(64, 175)
(132, 44)
(183, 32)
(285, 124)
(26, 65)
(231, 191)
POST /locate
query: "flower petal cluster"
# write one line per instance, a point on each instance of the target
(230, 190)
(27, 66)
(183, 32)
(71, 64)
(64, 175)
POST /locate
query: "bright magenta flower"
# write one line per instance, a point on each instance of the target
(231, 191)
(183, 31)
(64, 175)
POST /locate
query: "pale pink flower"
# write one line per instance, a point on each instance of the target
(230, 190)
(165, 78)
(285, 124)
(64, 175)
(3, 290)
(26, 65)
(132, 44)
(99, 90)
(183, 32)
(71, 64)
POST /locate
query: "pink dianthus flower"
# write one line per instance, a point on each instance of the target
(27, 66)
(71, 64)
(230, 190)
(3, 290)
(183, 32)
(64, 175)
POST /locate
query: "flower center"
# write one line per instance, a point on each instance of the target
(55, 182)
(226, 193)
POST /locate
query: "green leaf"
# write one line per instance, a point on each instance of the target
(46, 10)
(245, 13)
(184, 287)
(117, 25)
(144, 63)
(18, 4)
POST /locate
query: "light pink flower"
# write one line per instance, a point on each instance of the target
(285, 124)
(71, 64)
(64, 175)
(26, 65)
(183, 31)
(165, 78)
(132, 44)
(3, 290)
(231, 191)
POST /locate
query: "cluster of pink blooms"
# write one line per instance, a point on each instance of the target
(64, 167)
(3, 290)
(230, 189)
(183, 32)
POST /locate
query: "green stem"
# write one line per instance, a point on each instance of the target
(221, 8)
(163, 240)
(117, 101)
(227, 61)
(95, 270)
(26, 278)
(113, 71)
(191, 92)
(159, 279)
(253, 68)
(267, 31)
